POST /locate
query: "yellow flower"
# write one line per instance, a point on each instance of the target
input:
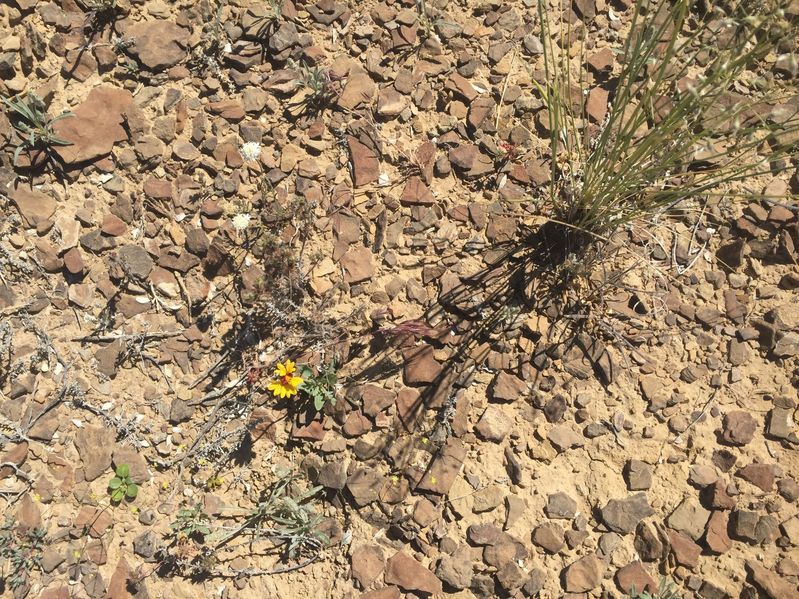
(285, 383)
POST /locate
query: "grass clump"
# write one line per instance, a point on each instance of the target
(29, 116)
(676, 128)
(666, 590)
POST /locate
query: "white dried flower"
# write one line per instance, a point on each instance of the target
(241, 221)
(250, 150)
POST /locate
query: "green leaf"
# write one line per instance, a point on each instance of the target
(123, 471)
(117, 495)
(132, 491)
(115, 483)
(318, 403)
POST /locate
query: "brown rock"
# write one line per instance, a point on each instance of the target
(95, 126)
(34, 206)
(357, 264)
(769, 582)
(623, 515)
(597, 104)
(508, 387)
(158, 44)
(368, 563)
(113, 225)
(471, 161)
(738, 428)
(410, 575)
(416, 193)
(420, 366)
(760, 475)
(685, 551)
(95, 446)
(549, 536)
(584, 575)
(493, 425)
(445, 468)
(73, 261)
(634, 576)
(365, 163)
(391, 592)
(689, 518)
(716, 537)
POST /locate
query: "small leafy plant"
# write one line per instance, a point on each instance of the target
(191, 522)
(666, 590)
(321, 387)
(23, 549)
(29, 116)
(121, 487)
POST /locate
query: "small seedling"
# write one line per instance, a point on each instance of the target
(121, 487)
(191, 523)
(321, 387)
(29, 116)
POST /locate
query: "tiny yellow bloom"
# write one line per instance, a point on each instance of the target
(37, 497)
(165, 484)
(285, 383)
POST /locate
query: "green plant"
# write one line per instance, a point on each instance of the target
(674, 129)
(666, 590)
(121, 487)
(320, 387)
(191, 522)
(320, 86)
(29, 116)
(23, 549)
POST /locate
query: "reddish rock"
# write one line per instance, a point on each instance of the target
(760, 475)
(584, 575)
(34, 206)
(158, 44)
(445, 468)
(420, 366)
(113, 225)
(597, 104)
(357, 264)
(368, 563)
(95, 126)
(769, 582)
(685, 551)
(73, 261)
(738, 428)
(508, 387)
(416, 192)
(716, 537)
(634, 576)
(365, 163)
(410, 575)
(391, 592)
(469, 159)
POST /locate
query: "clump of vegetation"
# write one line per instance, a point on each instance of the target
(320, 388)
(191, 523)
(320, 87)
(121, 486)
(22, 548)
(675, 128)
(666, 590)
(284, 517)
(29, 116)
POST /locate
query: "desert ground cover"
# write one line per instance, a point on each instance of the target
(399, 298)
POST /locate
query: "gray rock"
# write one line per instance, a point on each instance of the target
(623, 515)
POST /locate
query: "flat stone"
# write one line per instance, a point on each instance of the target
(550, 536)
(560, 505)
(634, 576)
(367, 563)
(769, 582)
(445, 468)
(738, 428)
(409, 574)
(365, 163)
(35, 206)
(689, 518)
(493, 425)
(456, 570)
(623, 515)
(760, 475)
(638, 475)
(563, 437)
(420, 367)
(158, 44)
(716, 537)
(95, 126)
(584, 575)
(95, 446)
(685, 551)
(507, 387)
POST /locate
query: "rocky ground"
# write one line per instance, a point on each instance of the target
(247, 183)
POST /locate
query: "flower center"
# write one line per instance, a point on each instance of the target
(286, 379)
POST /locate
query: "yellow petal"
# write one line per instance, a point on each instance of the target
(272, 386)
(290, 367)
(295, 381)
(281, 370)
